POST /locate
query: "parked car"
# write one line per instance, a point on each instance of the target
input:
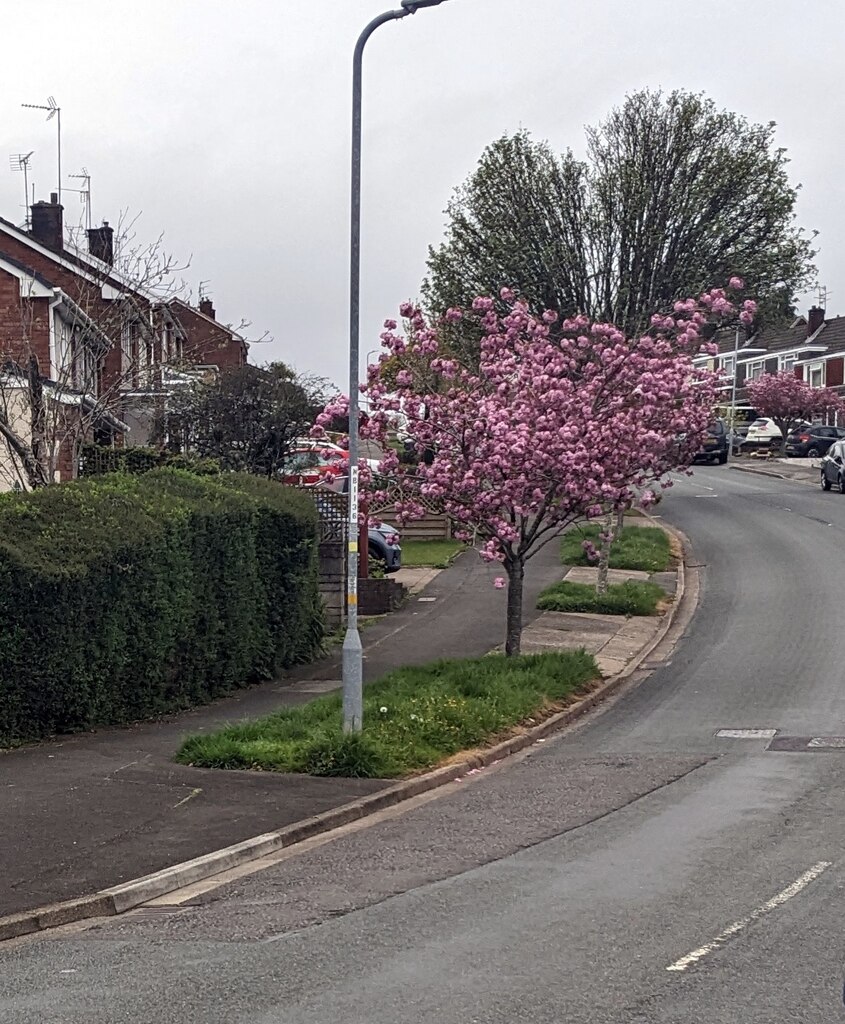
(383, 540)
(812, 442)
(384, 547)
(762, 432)
(833, 467)
(307, 467)
(715, 447)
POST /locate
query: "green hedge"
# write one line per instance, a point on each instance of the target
(124, 597)
(97, 460)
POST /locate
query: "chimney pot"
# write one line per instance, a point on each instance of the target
(47, 227)
(814, 320)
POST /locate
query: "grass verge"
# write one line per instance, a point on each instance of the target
(437, 553)
(638, 547)
(633, 597)
(414, 718)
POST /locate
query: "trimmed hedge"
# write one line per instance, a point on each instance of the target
(125, 597)
(97, 460)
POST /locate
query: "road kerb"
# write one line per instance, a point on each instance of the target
(120, 898)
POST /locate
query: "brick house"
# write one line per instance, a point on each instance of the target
(107, 351)
(811, 347)
(207, 342)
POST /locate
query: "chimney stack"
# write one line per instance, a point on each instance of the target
(101, 243)
(47, 227)
(814, 320)
(207, 308)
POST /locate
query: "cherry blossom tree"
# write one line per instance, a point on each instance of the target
(790, 401)
(558, 421)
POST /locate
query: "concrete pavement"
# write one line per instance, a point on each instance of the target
(562, 887)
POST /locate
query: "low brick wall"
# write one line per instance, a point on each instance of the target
(332, 580)
(377, 597)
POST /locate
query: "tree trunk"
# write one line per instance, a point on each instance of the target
(39, 470)
(604, 554)
(516, 577)
(620, 522)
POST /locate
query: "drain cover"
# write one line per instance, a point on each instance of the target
(152, 913)
(746, 734)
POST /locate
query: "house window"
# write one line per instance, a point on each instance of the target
(815, 375)
(787, 362)
(755, 370)
(728, 365)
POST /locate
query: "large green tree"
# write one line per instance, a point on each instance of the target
(673, 196)
(249, 417)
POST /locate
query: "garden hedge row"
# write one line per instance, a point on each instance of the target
(97, 460)
(124, 597)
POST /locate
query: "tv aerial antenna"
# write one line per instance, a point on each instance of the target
(53, 110)
(84, 193)
(21, 162)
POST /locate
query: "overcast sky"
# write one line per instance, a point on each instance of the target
(226, 124)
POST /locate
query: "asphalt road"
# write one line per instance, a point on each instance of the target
(637, 870)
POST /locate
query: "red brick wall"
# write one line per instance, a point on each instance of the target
(207, 343)
(87, 294)
(834, 372)
(24, 327)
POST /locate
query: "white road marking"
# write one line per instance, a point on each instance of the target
(782, 897)
(705, 495)
(423, 600)
(747, 734)
(827, 741)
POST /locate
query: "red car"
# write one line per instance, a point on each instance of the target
(308, 466)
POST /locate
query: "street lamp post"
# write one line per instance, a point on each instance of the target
(749, 352)
(352, 660)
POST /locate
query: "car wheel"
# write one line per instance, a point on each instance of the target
(841, 484)
(723, 458)
(825, 483)
(813, 453)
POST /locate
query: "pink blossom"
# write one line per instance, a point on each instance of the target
(550, 426)
(736, 283)
(499, 583)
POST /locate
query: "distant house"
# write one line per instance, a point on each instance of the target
(811, 347)
(207, 342)
(103, 352)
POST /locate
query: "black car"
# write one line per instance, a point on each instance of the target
(833, 467)
(383, 547)
(811, 442)
(715, 448)
(383, 541)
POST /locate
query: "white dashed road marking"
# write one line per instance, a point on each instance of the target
(746, 734)
(782, 897)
